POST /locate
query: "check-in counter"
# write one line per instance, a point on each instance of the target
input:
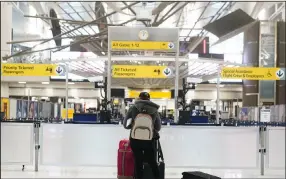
(85, 117)
(183, 146)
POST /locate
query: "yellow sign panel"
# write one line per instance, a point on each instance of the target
(142, 71)
(21, 69)
(252, 73)
(142, 45)
(70, 113)
(153, 94)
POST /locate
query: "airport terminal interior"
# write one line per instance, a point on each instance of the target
(71, 71)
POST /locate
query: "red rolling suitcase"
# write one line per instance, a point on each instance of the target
(125, 161)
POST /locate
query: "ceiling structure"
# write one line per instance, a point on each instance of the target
(86, 23)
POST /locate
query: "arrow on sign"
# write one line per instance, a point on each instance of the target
(59, 70)
(280, 73)
(171, 45)
(167, 71)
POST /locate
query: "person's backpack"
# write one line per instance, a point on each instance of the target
(143, 126)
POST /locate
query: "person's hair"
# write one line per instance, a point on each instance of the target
(144, 96)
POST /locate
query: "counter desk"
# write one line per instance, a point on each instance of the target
(183, 146)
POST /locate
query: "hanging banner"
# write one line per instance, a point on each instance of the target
(253, 73)
(21, 69)
(133, 71)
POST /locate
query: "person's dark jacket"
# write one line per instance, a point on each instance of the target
(151, 108)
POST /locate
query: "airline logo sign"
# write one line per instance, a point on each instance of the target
(21, 69)
(142, 45)
(253, 73)
(133, 71)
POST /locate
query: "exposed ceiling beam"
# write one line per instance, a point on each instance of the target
(221, 12)
(68, 20)
(104, 31)
(133, 12)
(83, 25)
(167, 13)
(38, 40)
(161, 7)
(177, 10)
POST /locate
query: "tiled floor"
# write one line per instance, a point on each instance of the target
(110, 173)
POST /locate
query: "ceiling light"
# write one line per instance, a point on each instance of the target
(45, 83)
(22, 82)
(71, 83)
(103, 53)
(251, 94)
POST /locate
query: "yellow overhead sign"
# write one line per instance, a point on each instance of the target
(153, 94)
(141, 45)
(142, 71)
(21, 69)
(253, 73)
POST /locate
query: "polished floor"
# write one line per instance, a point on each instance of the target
(110, 173)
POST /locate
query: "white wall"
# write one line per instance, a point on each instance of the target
(89, 103)
(25, 78)
(168, 103)
(52, 92)
(212, 95)
(93, 93)
(4, 90)
(13, 108)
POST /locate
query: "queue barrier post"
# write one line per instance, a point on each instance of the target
(37, 126)
(262, 148)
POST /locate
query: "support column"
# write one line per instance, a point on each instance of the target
(251, 58)
(280, 52)
(6, 28)
(267, 58)
(4, 90)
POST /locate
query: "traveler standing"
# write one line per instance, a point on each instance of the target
(145, 125)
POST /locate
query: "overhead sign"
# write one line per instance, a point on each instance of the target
(153, 94)
(142, 71)
(21, 69)
(253, 73)
(142, 45)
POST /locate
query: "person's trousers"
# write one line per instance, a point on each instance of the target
(144, 151)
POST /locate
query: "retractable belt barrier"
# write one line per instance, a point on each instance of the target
(27, 133)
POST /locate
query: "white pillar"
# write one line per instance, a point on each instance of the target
(6, 28)
(4, 90)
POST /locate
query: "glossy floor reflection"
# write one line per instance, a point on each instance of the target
(110, 173)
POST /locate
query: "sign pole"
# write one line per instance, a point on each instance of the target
(218, 94)
(108, 88)
(177, 75)
(28, 107)
(67, 90)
